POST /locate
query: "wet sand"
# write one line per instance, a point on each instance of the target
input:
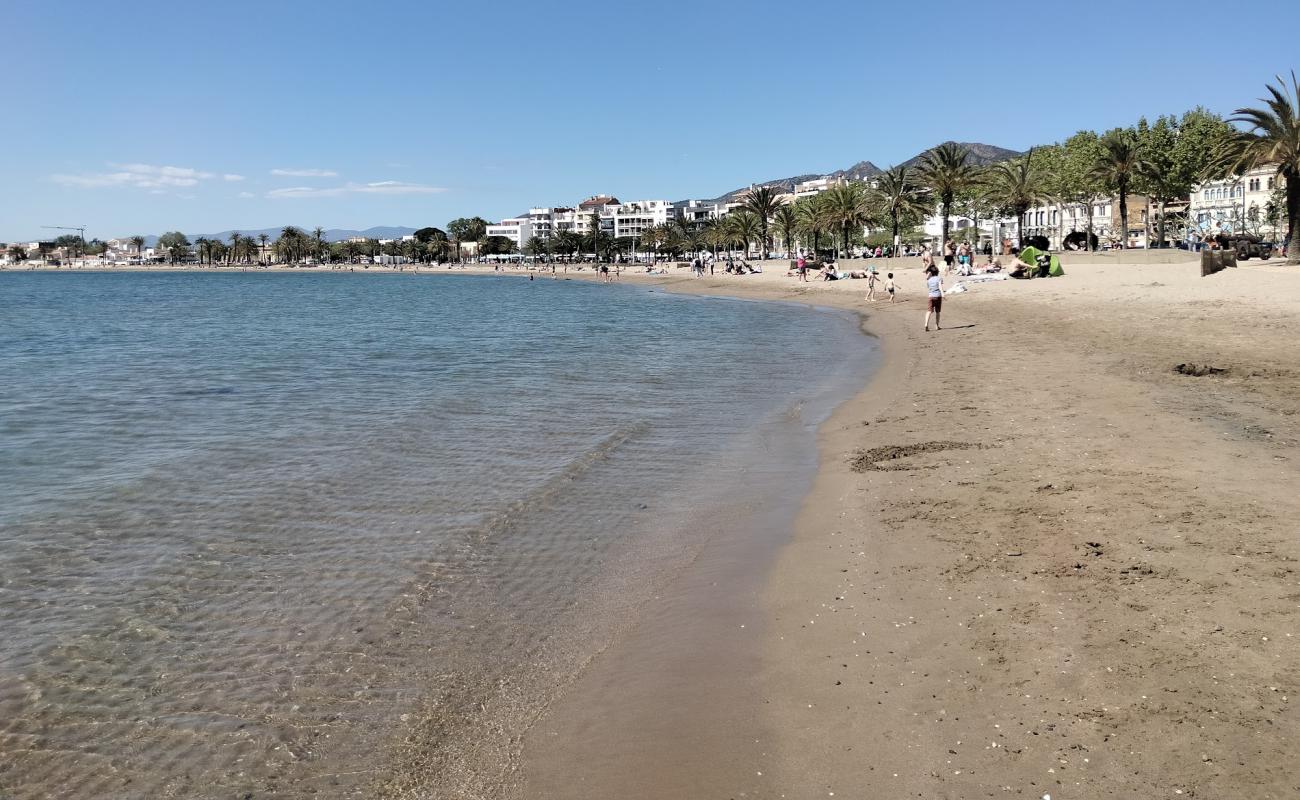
(1037, 559)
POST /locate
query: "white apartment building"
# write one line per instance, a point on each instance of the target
(815, 186)
(696, 212)
(616, 219)
(1235, 204)
(631, 219)
(517, 229)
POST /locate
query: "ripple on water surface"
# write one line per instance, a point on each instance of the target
(256, 527)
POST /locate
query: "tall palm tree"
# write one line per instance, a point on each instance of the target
(898, 196)
(203, 247)
(1018, 185)
(318, 233)
(744, 227)
(138, 243)
(946, 171)
(763, 203)
(813, 219)
(715, 236)
(846, 207)
(1273, 138)
(787, 224)
(1118, 164)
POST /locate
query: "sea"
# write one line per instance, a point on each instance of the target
(345, 534)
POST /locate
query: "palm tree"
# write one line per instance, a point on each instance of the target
(138, 243)
(318, 233)
(714, 235)
(846, 206)
(898, 196)
(1118, 164)
(744, 227)
(787, 224)
(946, 171)
(203, 247)
(763, 203)
(1273, 138)
(813, 220)
(1017, 185)
(236, 245)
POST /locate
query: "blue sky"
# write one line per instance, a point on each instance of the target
(139, 117)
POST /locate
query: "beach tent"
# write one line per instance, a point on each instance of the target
(1030, 256)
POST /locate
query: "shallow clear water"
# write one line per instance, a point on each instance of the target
(251, 525)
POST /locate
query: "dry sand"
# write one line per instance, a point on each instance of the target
(1037, 560)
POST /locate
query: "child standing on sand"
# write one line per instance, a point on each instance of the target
(889, 285)
(934, 292)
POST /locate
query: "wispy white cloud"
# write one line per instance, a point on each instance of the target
(305, 173)
(229, 177)
(140, 176)
(378, 187)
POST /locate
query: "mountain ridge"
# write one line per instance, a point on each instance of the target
(981, 154)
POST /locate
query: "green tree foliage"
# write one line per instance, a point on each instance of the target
(292, 245)
(175, 245)
(1177, 153)
(946, 170)
(744, 227)
(898, 197)
(1272, 136)
(1120, 164)
(1071, 178)
(495, 245)
(1017, 185)
(847, 208)
(814, 221)
(429, 234)
(763, 203)
(786, 222)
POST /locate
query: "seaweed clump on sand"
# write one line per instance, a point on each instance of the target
(883, 458)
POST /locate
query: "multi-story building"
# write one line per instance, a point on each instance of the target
(1236, 204)
(519, 230)
(696, 212)
(616, 219)
(631, 219)
(815, 186)
(1057, 221)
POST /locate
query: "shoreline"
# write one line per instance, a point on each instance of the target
(1071, 569)
(1082, 582)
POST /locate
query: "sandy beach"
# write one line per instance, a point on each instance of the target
(1038, 559)
(1050, 551)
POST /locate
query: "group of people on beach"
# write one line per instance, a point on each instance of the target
(933, 291)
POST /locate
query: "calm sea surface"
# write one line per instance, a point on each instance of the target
(267, 533)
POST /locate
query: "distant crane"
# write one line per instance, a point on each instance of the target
(81, 234)
(80, 229)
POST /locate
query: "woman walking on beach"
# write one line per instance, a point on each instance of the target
(934, 290)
